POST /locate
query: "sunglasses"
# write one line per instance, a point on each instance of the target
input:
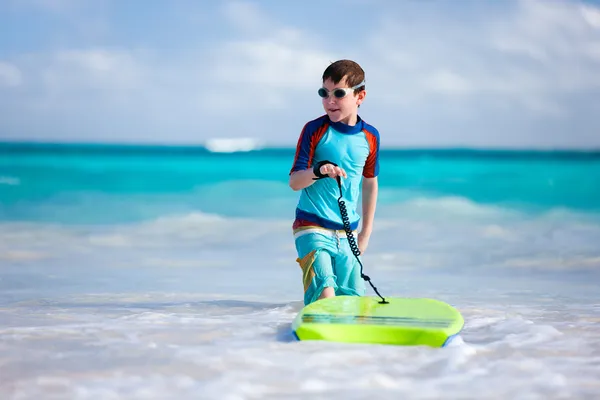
(339, 93)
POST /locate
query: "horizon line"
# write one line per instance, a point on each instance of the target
(265, 146)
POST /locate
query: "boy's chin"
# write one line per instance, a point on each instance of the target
(335, 116)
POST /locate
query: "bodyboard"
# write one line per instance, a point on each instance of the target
(402, 321)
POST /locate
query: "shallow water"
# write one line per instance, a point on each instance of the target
(119, 289)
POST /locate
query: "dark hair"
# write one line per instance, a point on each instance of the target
(353, 72)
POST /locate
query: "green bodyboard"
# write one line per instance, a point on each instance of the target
(402, 321)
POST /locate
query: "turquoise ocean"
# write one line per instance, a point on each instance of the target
(159, 272)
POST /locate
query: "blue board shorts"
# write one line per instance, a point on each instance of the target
(326, 260)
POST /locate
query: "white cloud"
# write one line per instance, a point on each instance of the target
(557, 36)
(515, 71)
(245, 16)
(591, 15)
(448, 82)
(67, 81)
(270, 60)
(10, 75)
(540, 49)
(276, 63)
(99, 68)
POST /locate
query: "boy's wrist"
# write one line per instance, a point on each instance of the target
(366, 231)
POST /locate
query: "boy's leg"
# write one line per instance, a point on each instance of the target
(327, 292)
(315, 260)
(347, 270)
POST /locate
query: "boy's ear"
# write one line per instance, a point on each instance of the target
(361, 96)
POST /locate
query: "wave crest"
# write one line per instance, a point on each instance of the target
(10, 181)
(232, 145)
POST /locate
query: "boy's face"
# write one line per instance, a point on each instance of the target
(341, 110)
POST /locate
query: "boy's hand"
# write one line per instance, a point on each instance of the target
(363, 242)
(333, 171)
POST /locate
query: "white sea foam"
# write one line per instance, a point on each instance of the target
(182, 346)
(199, 305)
(401, 239)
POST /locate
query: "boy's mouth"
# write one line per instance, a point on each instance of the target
(334, 109)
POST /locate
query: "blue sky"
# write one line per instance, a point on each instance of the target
(439, 72)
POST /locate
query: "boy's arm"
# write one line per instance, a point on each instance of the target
(370, 189)
(301, 174)
(301, 179)
(369, 203)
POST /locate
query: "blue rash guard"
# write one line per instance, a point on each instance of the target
(353, 148)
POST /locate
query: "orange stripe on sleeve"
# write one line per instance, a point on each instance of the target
(310, 136)
(371, 168)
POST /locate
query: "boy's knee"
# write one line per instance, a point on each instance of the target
(328, 291)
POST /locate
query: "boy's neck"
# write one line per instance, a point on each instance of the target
(342, 126)
(351, 120)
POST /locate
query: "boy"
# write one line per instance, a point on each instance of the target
(337, 144)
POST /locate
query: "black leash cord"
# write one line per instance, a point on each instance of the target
(352, 242)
